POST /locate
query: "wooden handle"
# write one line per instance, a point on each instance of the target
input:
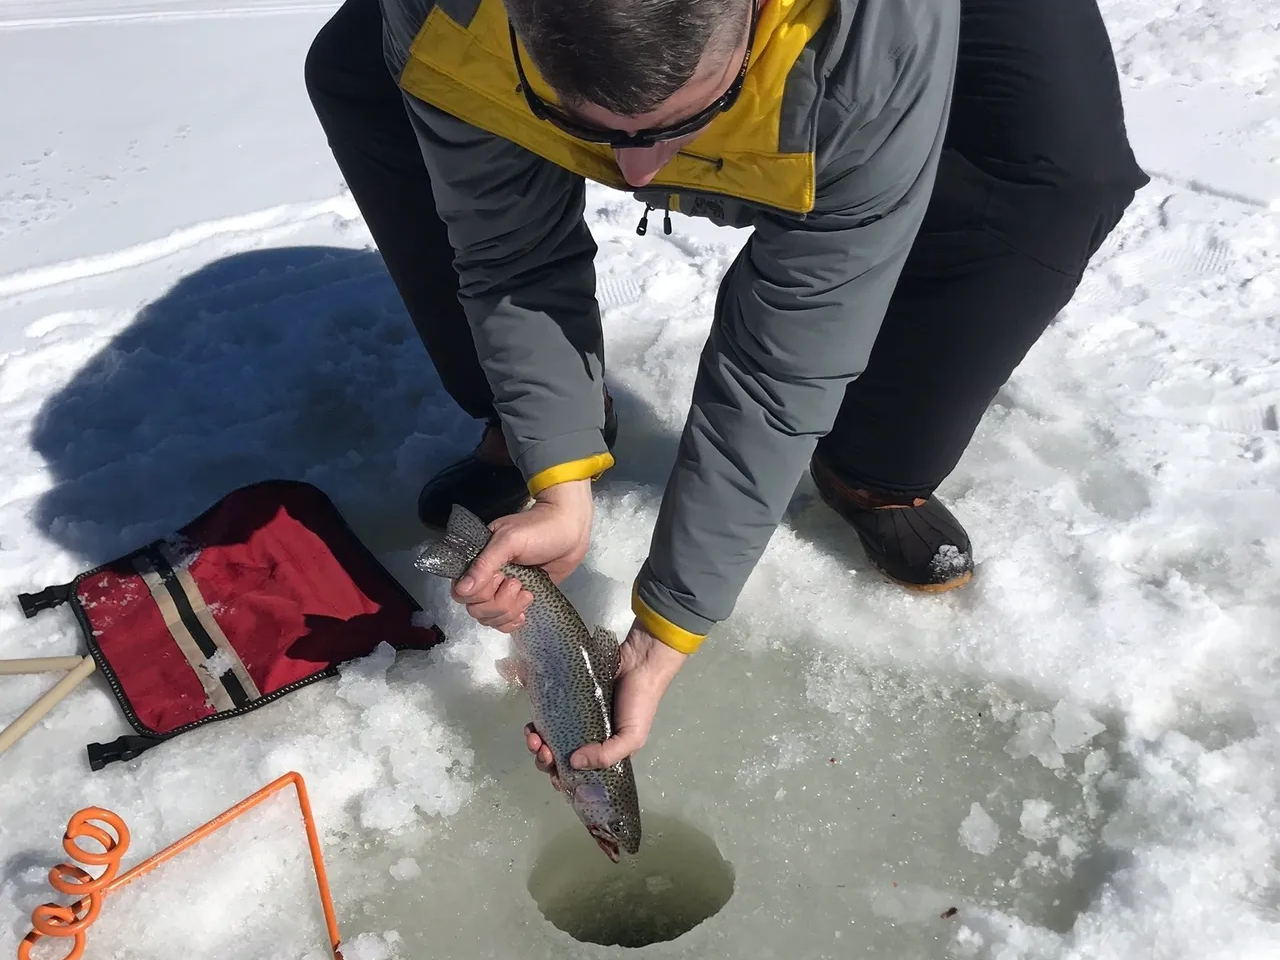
(31, 716)
(38, 665)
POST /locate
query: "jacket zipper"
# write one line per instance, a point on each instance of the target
(643, 226)
(715, 162)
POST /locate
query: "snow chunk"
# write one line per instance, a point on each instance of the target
(369, 946)
(427, 761)
(1037, 822)
(949, 561)
(1035, 739)
(406, 869)
(1073, 727)
(978, 832)
(218, 664)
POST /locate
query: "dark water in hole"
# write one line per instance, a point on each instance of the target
(676, 881)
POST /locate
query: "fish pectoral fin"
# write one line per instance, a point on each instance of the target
(591, 793)
(511, 669)
(605, 653)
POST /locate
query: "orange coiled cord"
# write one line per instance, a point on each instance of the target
(51, 920)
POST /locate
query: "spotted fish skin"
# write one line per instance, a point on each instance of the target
(568, 673)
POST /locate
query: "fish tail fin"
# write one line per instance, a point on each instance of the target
(451, 555)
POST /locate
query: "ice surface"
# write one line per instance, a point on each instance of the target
(189, 302)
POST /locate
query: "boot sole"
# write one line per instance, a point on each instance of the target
(946, 587)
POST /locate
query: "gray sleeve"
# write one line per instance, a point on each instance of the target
(797, 316)
(526, 265)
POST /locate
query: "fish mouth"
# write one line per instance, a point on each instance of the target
(607, 842)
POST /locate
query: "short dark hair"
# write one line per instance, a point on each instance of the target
(626, 56)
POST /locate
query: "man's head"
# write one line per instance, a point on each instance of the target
(632, 66)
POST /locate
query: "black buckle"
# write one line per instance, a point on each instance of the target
(122, 748)
(49, 597)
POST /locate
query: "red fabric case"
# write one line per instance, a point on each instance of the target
(265, 592)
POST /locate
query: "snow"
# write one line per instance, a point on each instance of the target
(189, 301)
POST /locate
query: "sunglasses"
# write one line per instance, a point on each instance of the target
(643, 138)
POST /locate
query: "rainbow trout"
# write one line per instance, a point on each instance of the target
(568, 672)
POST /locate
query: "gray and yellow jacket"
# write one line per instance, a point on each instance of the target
(829, 154)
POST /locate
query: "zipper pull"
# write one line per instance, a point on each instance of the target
(643, 226)
(666, 221)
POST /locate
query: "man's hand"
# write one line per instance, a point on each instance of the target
(646, 667)
(553, 534)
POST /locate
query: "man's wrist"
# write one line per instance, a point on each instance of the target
(569, 493)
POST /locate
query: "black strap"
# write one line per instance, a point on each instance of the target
(46, 599)
(239, 696)
(123, 748)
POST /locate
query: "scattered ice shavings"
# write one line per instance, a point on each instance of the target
(1002, 706)
(182, 549)
(218, 664)
(427, 762)
(1069, 848)
(422, 619)
(386, 808)
(1096, 764)
(967, 941)
(370, 946)
(406, 869)
(1037, 862)
(363, 682)
(1037, 822)
(978, 832)
(949, 561)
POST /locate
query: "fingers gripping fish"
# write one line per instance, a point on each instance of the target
(568, 672)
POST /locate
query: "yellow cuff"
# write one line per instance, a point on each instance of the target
(587, 468)
(678, 638)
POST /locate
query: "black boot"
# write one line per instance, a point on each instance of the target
(485, 481)
(916, 542)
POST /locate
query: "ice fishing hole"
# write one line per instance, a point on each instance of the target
(676, 881)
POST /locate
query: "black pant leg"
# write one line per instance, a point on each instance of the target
(1036, 172)
(364, 117)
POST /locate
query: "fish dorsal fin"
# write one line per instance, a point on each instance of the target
(604, 655)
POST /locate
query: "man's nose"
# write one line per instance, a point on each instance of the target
(640, 165)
